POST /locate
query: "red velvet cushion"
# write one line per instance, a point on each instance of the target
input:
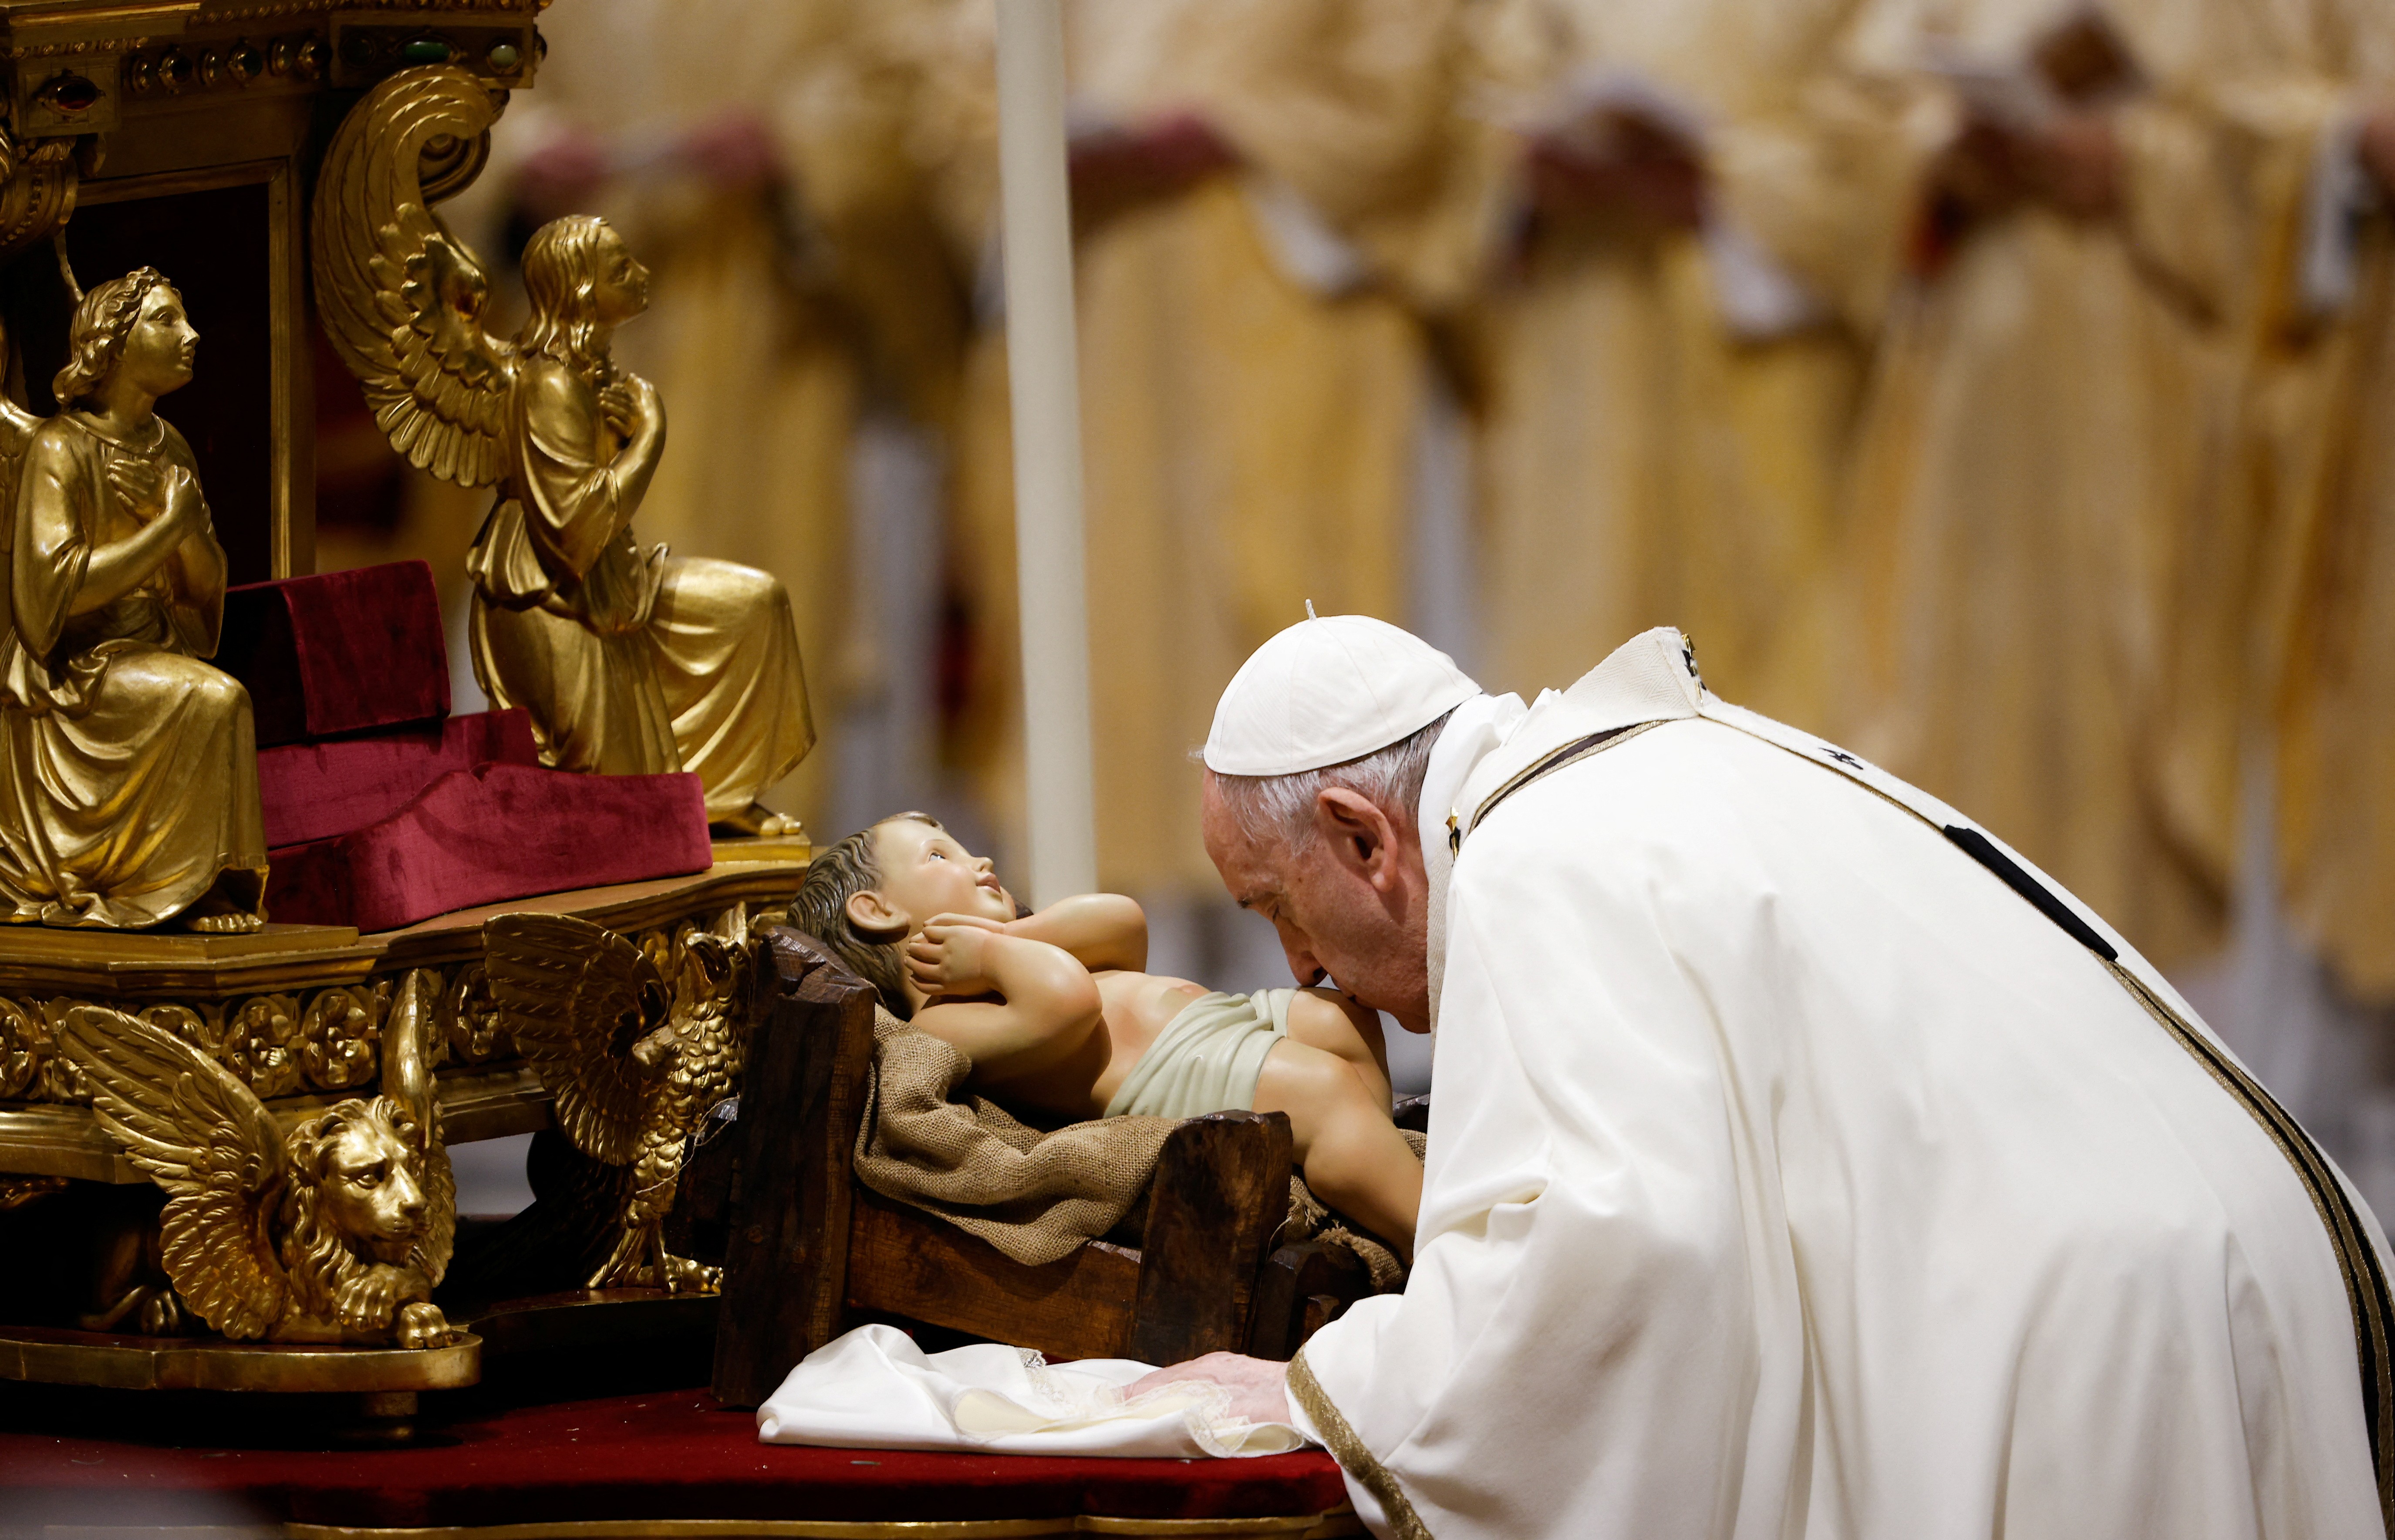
(494, 832)
(624, 1459)
(314, 791)
(338, 652)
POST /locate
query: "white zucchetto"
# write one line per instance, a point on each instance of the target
(1327, 691)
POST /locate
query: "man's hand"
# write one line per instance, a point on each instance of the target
(951, 956)
(1259, 1387)
(1621, 160)
(2377, 146)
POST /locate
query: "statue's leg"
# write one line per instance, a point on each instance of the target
(593, 703)
(728, 661)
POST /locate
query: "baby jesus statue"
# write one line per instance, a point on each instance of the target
(1058, 1017)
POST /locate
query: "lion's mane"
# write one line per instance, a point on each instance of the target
(317, 1259)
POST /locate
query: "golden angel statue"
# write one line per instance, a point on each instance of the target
(630, 660)
(635, 1063)
(130, 765)
(336, 1231)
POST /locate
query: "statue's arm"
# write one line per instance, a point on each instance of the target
(200, 570)
(119, 567)
(581, 494)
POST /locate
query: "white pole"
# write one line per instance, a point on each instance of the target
(1044, 379)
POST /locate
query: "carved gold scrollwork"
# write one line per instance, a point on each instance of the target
(23, 1040)
(39, 191)
(338, 1034)
(202, 1028)
(471, 1020)
(261, 1043)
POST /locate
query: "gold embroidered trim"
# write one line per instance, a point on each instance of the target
(1570, 754)
(1353, 1458)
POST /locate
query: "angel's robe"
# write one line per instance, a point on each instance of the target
(130, 767)
(631, 662)
(1668, 412)
(2050, 404)
(1255, 368)
(1790, 1174)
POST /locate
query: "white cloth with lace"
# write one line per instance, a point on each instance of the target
(874, 1389)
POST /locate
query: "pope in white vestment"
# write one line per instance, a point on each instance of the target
(1791, 1172)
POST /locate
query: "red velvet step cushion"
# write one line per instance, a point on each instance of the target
(337, 652)
(492, 833)
(314, 791)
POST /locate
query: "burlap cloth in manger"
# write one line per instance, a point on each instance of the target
(1033, 1193)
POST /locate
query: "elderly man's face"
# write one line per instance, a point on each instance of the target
(1351, 904)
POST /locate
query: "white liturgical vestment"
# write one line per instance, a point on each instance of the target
(1791, 1174)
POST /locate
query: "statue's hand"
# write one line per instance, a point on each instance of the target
(139, 486)
(648, 407)
(185, 508)
(616, 406)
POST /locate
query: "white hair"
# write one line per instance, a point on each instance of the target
(1269, 808)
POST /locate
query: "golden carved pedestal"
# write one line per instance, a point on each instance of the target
(297, 1014)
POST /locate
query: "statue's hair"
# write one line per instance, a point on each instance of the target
(1274, 809)
(317, 1258)
(821, 910)
(95, 339)
(561, 280)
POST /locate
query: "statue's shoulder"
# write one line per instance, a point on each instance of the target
(546, 379)
(177, 448)
(59, 440)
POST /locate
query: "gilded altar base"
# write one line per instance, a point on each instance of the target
(302, 1017)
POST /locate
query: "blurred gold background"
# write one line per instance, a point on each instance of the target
(2003, 388)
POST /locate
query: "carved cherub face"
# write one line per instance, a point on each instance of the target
(620, 287)
(926, 872)
(160, 347)
(370, 1190)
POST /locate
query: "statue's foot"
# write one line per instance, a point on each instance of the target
(234, 924)
(758, 821)
(680, 1275)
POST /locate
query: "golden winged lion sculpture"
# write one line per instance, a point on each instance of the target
(334, 1232)
(635, 1054)
(630, 660)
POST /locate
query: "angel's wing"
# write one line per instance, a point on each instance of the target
(402, 298)
(206, 1138)
(407, 1035)
(576, 997)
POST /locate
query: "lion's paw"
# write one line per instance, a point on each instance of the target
(364, 1302)
(421, 1324)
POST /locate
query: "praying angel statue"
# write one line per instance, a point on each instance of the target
(630, 660)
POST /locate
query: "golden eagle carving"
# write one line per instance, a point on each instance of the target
(635, 1055)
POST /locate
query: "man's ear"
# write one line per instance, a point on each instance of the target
(875, 915)
(1360, 835)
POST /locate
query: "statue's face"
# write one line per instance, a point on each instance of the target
(622, 290)
(370, 1193)
(159, 349)
(925, 872)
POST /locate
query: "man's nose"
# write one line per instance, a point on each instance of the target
(1302, 967)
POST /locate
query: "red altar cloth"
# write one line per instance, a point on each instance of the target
(666, 1455)
(316, 790)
